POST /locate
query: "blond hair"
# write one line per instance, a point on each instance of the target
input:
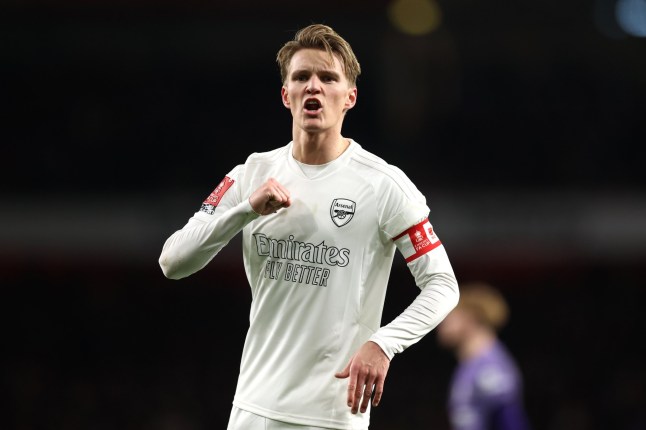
(485, 302)
(322, 37)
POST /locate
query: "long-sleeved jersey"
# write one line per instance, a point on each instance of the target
(318, 272)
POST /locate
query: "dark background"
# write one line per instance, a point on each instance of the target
(522, 122)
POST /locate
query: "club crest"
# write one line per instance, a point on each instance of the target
(342, 211)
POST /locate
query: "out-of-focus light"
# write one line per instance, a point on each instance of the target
(631, 16)
(605, 19)
(415, 17)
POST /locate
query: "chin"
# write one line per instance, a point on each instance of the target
(312, 128)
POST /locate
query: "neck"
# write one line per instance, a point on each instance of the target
(318, 148)
(476, 344)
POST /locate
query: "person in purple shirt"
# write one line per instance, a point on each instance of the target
(486, 388)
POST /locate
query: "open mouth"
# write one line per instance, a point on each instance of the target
(312, 105)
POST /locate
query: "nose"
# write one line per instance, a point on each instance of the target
(313, 85)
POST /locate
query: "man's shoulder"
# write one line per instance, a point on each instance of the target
(362, 155)
(269, 156)
(497, 362)
(375, 167)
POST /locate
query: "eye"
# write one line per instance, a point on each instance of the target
(327, 78)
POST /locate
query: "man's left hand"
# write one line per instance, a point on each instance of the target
(367, 371)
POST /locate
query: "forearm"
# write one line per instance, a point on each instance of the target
(439, 295)
(190, 249)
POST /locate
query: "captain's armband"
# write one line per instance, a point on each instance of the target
(417, 240)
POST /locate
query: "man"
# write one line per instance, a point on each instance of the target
(321, 219)
(486, 388)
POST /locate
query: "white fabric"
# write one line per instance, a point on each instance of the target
(243, 420)
(318, 278)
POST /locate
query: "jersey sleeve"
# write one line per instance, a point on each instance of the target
(222, 215)
(438, 296)
(408, 227)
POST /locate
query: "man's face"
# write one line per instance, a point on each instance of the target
(453, 328)
(317, 92)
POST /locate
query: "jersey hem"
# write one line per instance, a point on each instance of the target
(296, 419)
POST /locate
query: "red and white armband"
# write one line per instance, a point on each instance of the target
(417, 240)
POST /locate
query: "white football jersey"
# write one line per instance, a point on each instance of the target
(318, 272)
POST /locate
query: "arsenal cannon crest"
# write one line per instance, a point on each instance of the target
(342, 211)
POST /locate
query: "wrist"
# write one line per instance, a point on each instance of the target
(251, 209)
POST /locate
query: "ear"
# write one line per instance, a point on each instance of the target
(285, 97)
(351, 100)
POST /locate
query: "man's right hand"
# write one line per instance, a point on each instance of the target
(270, 197)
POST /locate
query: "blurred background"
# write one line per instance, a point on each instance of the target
(522, 122)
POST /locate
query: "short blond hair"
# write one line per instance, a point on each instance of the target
(323, 37)
(485, 302)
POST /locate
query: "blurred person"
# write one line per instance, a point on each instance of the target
(486, 389)
(321, 218)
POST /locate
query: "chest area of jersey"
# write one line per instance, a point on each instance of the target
(321, 236)
(334, 210)
(328, 225)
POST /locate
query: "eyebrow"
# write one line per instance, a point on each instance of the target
(320, 72)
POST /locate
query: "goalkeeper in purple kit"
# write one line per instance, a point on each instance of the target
(486, 391)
